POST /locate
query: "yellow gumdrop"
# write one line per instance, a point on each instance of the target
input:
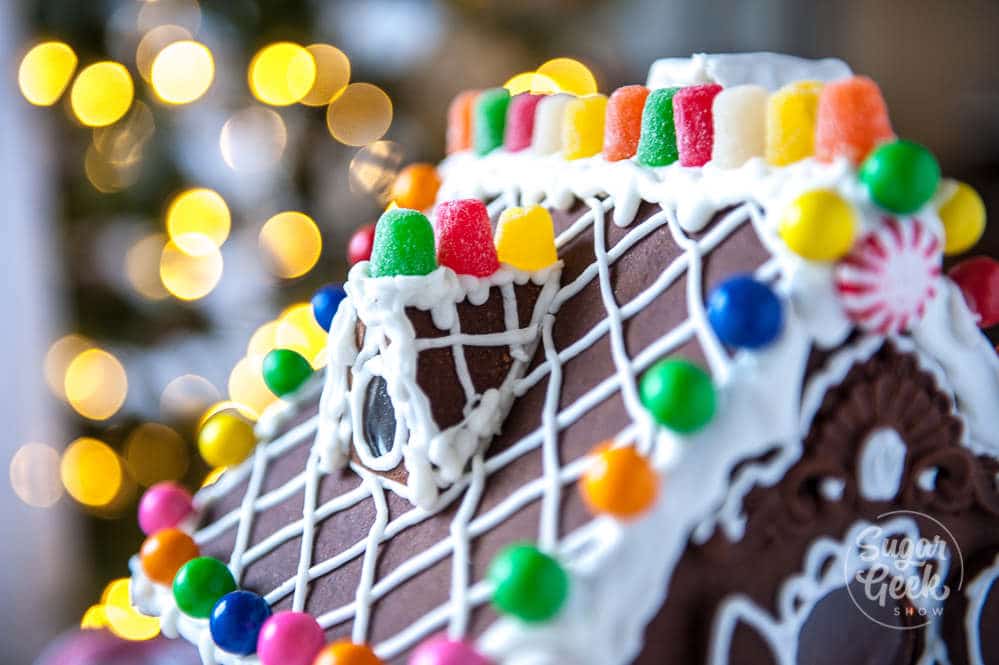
(525, 238)
(583, 126)
(226, 439)
(963, 217)
(791, 116)
(819, 226)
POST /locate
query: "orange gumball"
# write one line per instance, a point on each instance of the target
(345, 652)
(416, 187)
(164, 552)
(619, 482)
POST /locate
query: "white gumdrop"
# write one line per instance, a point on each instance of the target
(740, 125)
(548, 124)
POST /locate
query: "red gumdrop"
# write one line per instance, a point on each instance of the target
(465, 238)
(520, 121)
(695, 126)
(360, 244)
(623, 123)
(978, 278)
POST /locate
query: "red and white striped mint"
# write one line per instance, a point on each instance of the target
(887, 279)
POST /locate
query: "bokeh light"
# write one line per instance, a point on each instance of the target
(227, 405)
(182, 72)
(101, 94)
(152, 13)
(34, 475)
(155, 452)
(58, 358)
(108, 176)
(197, 215)
(123, 142)
(91, 472)
(96, 384)
(361, 114)
(374, 169)
(332, 74)
(292, 244)
(95, 618)
(191, 275)
(45, 72)
(281, 74)
(570, 75)
(186, 397)
(122, 619)
(155, 41)
(253, 140)
(247, 387)
(532, 82)
(297, 330)
(142, 266)
(263, 340)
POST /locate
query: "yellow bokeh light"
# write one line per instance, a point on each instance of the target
(185, 398)
(298, 330)
(182, 72)
(123, 620)
(155, 452)
(247, 387)
(213, 476)
(57, 360)
(374, 169)
(45, 72)
(253, 140)
(102, 93)
(532, 82)
(106, 176)
(570, 76)
(122, 143)
(96, 384)
(155, 41)
(91, 472)
(332, 74)
(360, 115)
(292, 243)
(141, 266)
(95, 618)
(197, 215)
(281, 74)
(263, 340)
(34, 475)
(191, 275)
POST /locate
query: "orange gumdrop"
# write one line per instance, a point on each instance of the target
(623, 124)
(619, 482)
(347, 653)
(852, 120)
(416, 187)
(164, 552)
(459, 121)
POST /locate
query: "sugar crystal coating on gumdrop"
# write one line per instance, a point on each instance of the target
(583, 127)
(520, 121)
(525, 238)
(489, 119)
(792, 113)
(852, 120)
(692, 113)
(623, 123)
(657, 145)
(403, 244)
(739, 116)
(465, 238)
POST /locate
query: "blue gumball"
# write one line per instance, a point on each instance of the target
(745, 313)
(325, 303)
(236, 621)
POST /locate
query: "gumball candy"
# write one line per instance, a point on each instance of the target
(692, 114)
(520, 121)
(164, 553)
(679, 394)
(465, 238)
(404, 244)
(527, 583)
(619, 482)
(199, 584)
(963, 218)
(739, 115)
(791, 116)
(163, 506)
(440, 650)
(416, 187)
(226, 439)
(285, 371)
(745, 313)
(657, 145)
(489, 120)
(325, 303)
(978, 279)
(345, 652)
(819, 226)
(583, 126)
(525, 238)
(459, 121)
(289, 638)
(236, 621)
(901, 176)
(623, 125)
(852, 120)
(360, 244)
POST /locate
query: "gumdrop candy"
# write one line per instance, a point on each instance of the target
(791, 117)
(978, 279)
(403, 245)
(520, 121)
(548, 119)
(459, 121)
(852, 120)
(416, 187)
(465, 238)
(583, 126)
(695, 123)
(489, 119)
(525, 238)
(657, 146)
(740, 122)
(623, 123)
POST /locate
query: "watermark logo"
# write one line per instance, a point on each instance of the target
(899, 567)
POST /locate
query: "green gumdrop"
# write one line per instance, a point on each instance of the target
(527, 583)
(679, 394)
(901, 176)
(657, 142)
(285, 370)
(199, 584)
(404, 245)
(490, 119)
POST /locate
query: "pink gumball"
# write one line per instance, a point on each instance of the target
(440, 650)
(164, 506)
(289, 638)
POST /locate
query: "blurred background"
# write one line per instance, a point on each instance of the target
(180, 176)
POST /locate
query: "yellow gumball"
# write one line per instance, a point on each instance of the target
(963, 217)
(226, 439)
(819, 226)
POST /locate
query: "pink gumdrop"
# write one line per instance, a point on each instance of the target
(695, 131)
(164, 506)
(289, 638)
(439, 650)
(520, 121)
(465, 238)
